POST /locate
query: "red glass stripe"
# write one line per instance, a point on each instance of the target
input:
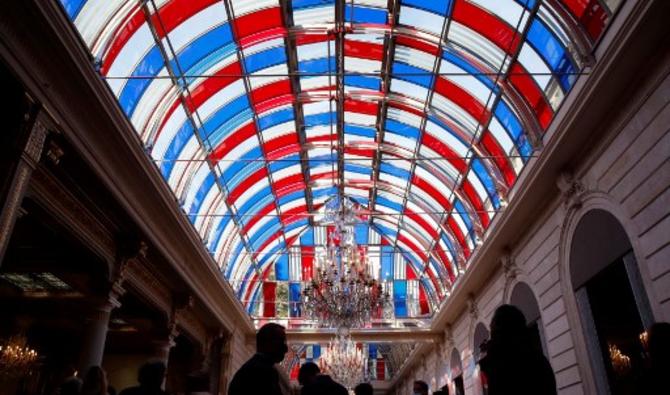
(256, 22)
(363, 50)
(175, 12)
(445, 151)
(213, 85)
(417, 44)
(269, 296)
(486, 24)
(463, 99)
(121, 36)
(525, 84)
(501, 160)
(232, 141)
(247, 183)
(430, 190)
(259, 215)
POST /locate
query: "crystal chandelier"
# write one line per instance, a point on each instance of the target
(343, 291)
(16, 358)
(343, 360)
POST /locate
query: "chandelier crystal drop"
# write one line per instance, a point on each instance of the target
(343, 292)
(343, 360)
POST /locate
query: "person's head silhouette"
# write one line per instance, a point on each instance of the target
(271, 341)
(420, 387)
(508, 322)
(659, 344)
(307, 373)
(364, 389)
(151, 374)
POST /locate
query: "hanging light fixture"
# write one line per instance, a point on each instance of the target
(343, 292)
(16, 358)
(343, 360)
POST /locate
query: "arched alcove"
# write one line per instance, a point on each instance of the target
(480, 336)
(457, 372)
(522, 296)
(610, 297)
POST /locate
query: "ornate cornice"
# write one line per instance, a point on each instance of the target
(572, 189)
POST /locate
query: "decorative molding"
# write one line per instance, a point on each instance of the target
(473, 309)
(508, 264)
(57, 200)
(145, 282)
(572, 189)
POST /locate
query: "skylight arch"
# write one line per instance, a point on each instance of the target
(441, 104)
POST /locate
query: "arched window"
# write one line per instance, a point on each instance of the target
(611, 300)
(523, 298)
(480, 336)
(457, 373)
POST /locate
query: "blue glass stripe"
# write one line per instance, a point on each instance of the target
(389, 203)
(321, 192)
(548, 46)
(482, 173)
(265, 59)
(262, 234)
(261, 199)
(358, 130)
(281, 268)
(393, 170)
(401, 129)
(271, 254)
(207, 62)
(132, 92)
(361, 233)
(200, 48)
(387, 263)
(291, 197)
(400, 298)
(361, 200)
(323, 118)
(310, 3)
(435, 6)
(444, 126)
(360, 81)
(284, 163)
(296, 225)
(318, 65)
(72, 7)
(294, 297)
(307, 238)
(365, 14)
(465, 65)
(275, 118)
(200, 197)
(217, 235)
(174, 149)
(365, 170)
(372, 351)
(237, 251)
(388, 233)
(224, 114)
(460, 208)
(407, 73)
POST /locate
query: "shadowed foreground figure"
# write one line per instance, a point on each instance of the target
(150, 376)
(420, 388)
(258, 375)
(315, 383)
(364, 389)
(512, 365)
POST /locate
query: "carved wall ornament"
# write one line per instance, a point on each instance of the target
(510, 269)
(572, 189)
(473, 309)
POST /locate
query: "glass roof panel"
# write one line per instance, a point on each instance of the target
(243, 105)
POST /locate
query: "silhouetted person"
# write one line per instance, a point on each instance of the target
(315, 383)
(364, 389)
(656, 377)
(95, 382)
(420, 388)
(444, 390)
(512, 364)
(150, 376)
(258, 375)
(71, 385)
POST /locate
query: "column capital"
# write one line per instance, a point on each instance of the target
(473, 309)
(508, 264)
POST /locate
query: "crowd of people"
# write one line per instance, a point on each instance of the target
(150, 379)
(511, 364)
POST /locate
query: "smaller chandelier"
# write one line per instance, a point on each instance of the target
(343, 292)
(16, 358)
(343, 360)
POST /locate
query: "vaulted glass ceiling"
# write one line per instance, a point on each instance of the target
(423, 112)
